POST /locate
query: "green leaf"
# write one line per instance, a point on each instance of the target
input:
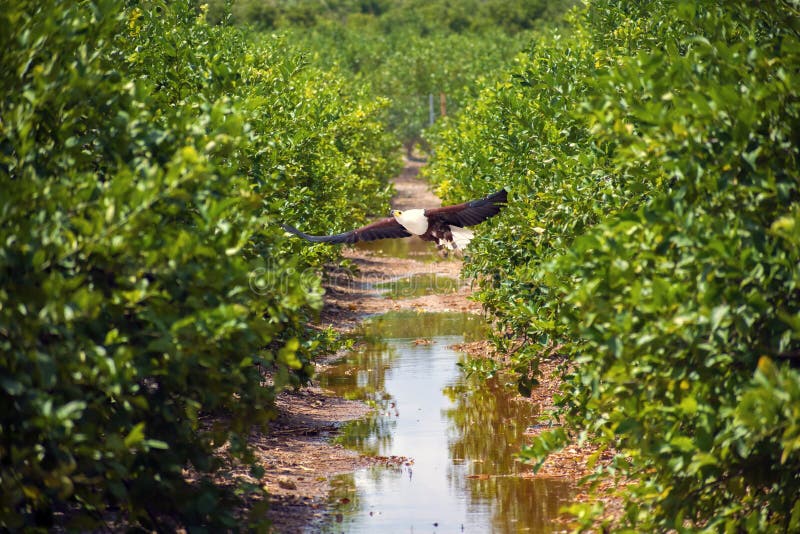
(155, 444)
(70, 410)
(135, 436)
(11, 386)
(689, 405)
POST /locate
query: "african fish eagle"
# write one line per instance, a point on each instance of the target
(446, 226)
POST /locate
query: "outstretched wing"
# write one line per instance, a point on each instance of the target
(382, 229)
(470, 213)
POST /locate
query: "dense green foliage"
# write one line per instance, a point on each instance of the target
(405, 50)
(150, 307)
(388, 16)
(145, 287)
(653, 237)
(408, 68)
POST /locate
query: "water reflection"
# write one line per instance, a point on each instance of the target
(487, 422)
(462, 434)
(418, 285)
(410, 248)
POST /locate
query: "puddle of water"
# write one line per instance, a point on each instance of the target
(462, 434)
(418, 285)
(410, 247)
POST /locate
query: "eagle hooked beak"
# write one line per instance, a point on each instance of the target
(396, 213)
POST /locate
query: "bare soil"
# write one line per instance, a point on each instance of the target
(297, 452)
(298, 456)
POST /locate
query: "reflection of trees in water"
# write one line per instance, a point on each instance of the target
(412, 325)
(487, 425)
(521, 503)
(402, 248)
(347, 500)
(368, 436)
(361, 375)
(418, 285)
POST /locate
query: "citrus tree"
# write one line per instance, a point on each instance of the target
(404, 51)
(150, 306)
(652, 238)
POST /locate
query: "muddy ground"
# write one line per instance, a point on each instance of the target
(298, 453)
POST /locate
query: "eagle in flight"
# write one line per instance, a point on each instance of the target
(446, 226)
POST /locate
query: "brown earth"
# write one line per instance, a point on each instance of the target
(297, 452)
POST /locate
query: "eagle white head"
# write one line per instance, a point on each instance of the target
(414, 221)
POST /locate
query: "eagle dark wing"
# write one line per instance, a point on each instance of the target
(470, 213)
(382, 229)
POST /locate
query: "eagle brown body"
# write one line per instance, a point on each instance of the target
(446, 226)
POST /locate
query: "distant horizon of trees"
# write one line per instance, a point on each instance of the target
(389, 16)
(402, 50)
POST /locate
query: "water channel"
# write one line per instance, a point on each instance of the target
(453, 438)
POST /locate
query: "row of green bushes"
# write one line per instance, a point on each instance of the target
(407, 68)
(403, 51)
(150, 306)
(422, 17)
(653, 238)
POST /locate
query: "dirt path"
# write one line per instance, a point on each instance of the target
(297, 452)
